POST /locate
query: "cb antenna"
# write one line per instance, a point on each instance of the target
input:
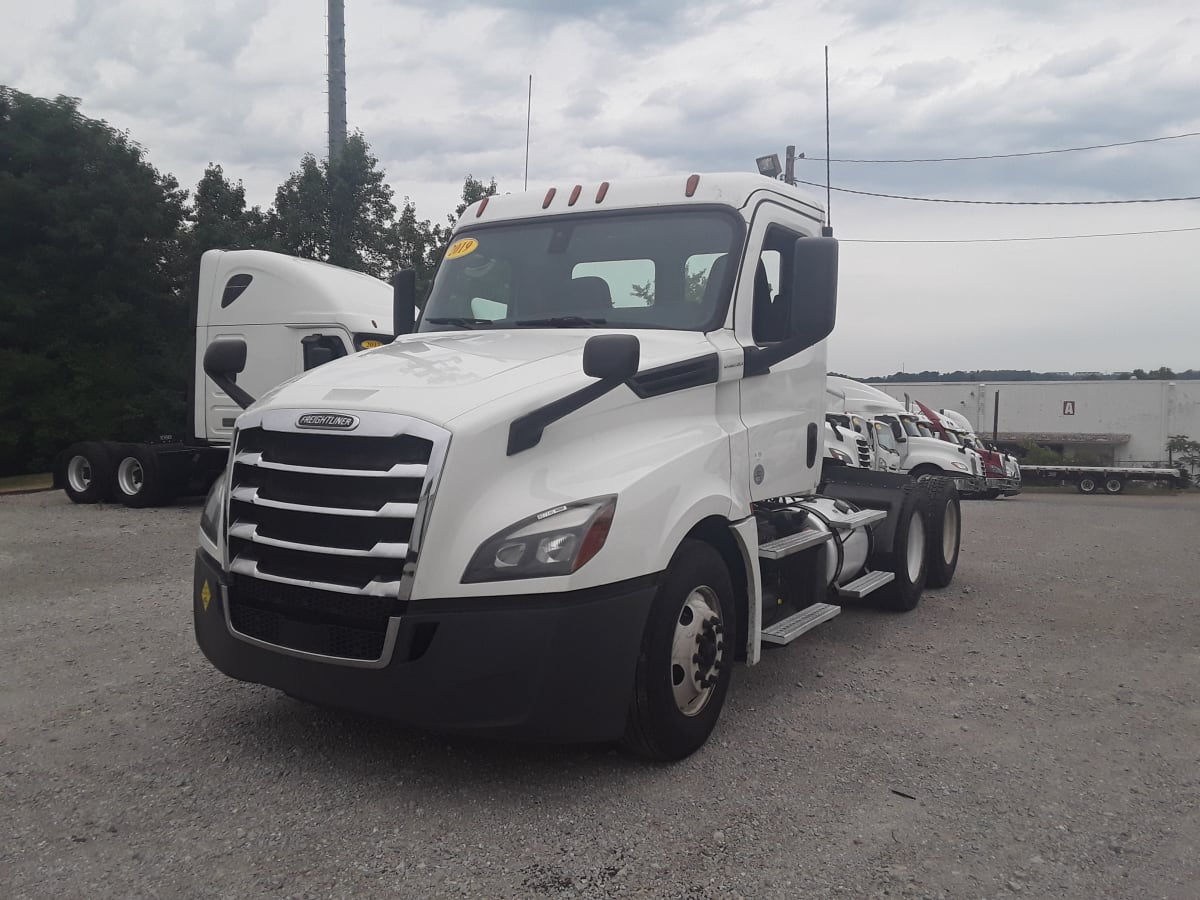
(528, 122)
(827, 228)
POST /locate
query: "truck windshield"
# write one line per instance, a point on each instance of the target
(911, 428)
(664, 269)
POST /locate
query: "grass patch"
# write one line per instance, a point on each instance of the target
(26, 483)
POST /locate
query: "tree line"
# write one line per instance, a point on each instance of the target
(100, 255)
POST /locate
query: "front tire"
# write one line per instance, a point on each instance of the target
(944, 531)
(686, 660)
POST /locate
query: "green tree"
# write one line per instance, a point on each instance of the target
(91, 306)
(339, 211)
(1177, 443)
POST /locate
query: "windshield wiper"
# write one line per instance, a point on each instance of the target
(559, 322)
(459, 321)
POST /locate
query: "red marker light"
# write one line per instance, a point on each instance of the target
(482, 207)
(575, 195)
(692, 182)
(549, 198)
(600, 194)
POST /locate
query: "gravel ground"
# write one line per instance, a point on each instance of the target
(1034, 729)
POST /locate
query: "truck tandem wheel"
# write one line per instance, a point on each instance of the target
(908, 557)
(686, 660)
(1113, 485)
(1087, 485)
(137, 478)
(944, 531)
(87, 472)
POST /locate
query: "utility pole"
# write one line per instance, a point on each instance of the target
(337, 77)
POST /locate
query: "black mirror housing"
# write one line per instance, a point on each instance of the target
(404, 301)
(814, 289)
(223, 360)
(611, 357)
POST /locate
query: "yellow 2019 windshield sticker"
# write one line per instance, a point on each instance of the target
(462, 248)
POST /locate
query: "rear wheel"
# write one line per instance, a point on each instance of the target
(907, 558)
(944, 531)
(1087, 485)
(686, 661)
(87, 472)
(1113, 485)
(137, 477)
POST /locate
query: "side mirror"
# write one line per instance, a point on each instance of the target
(611, 357)
(814, 289)
(404, 301)
(898, 432)
(223, 360)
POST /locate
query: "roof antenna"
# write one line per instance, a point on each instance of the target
(827, 228)
(528, 121)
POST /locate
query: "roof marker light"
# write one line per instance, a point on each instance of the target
(691, 185)
(574, 195)
(482, 207)
(549, 197)
(600, 194)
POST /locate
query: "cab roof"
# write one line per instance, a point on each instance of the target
(729, 188)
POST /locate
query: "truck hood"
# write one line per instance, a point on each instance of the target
(440, 376)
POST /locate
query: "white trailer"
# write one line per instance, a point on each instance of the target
(291, 314)
(588, 483)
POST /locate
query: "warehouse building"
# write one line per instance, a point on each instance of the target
(1110, 422)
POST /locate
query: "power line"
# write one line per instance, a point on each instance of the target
(999, 202)
(1050, 237)
(1169, 137)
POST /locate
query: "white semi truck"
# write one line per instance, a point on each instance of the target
(915, 450)
(588, 483)
(292, 314)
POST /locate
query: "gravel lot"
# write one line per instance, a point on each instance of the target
(1034, 729)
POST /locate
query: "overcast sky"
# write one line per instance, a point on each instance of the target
(624, 88)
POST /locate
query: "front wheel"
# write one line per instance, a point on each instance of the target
(686, 660)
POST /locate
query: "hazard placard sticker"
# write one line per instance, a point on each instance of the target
(462, 248)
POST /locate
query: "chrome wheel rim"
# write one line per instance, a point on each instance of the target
(697, 651)
(79, 474)
(130, 477)
(916, 548)
(950, 532)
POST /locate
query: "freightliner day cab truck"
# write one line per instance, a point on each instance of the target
(588, 482)
(293, 314)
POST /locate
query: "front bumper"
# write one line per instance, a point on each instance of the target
(1008, 486)
(553, 667)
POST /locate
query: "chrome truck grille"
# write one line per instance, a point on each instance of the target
(324, 533)
(864, 452)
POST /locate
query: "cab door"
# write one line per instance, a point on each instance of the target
(783, 410)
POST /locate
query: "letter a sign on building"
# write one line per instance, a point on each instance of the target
(1068, 407)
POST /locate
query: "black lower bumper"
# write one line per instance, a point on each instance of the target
(555, 667)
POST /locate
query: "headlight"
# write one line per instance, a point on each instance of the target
(214, 507)
(959, 465)
(840, 455)
(557, 541)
